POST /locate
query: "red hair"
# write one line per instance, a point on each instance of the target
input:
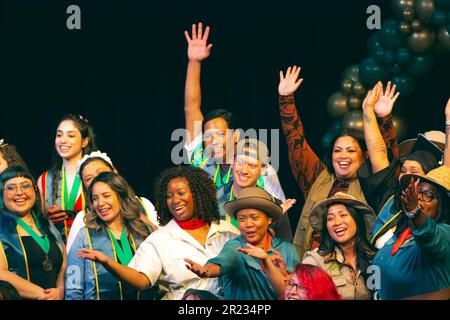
(317, 283)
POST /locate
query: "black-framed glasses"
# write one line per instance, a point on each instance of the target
(428, 196)
(11, 189)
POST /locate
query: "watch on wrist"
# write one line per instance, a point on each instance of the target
(413, 214)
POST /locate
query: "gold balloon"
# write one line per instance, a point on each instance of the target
(400, 127)
(399, 6)
(405, 28)
(354, 102)
(358, 89)
(416, 25)
(443, 38)
(421, 42)
(337, 105)
(354, 120)
(424, 10)
(346, 86)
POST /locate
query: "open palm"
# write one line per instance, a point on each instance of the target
(253, 251)
(289, 83)
(386, 101)
(93, 255)
(198, 49)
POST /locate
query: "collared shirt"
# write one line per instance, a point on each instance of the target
(161, 258)
(350, 284)
(242, 276)
(421, 265)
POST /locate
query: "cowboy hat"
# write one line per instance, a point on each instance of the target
(254, 198)
(437, 138)
(321, 209)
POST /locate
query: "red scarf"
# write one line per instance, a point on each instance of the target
(190, 224)
(401, 240)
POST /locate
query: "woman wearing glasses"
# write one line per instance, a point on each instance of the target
(32, 254)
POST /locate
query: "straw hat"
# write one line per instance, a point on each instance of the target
(439, 176)
(254, 198)
(436, 137)
(321, 209)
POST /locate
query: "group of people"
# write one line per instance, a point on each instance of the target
(375, 223)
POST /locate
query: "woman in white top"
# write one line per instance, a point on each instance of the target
(189, 215)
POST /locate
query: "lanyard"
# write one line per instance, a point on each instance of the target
(218, 180)
(230, 219)
(44, 243)
(124, 255)
(68, 202)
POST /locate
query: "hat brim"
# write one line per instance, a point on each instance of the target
(271, 209)
(321, 209)
(405, 147)
(405, 180)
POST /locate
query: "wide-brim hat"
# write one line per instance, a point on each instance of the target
(437, 138)
(321, 209)
(254, 198)
(439, 176)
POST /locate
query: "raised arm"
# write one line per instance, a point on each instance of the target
(198, 50)
(127, 274)
(447, 135)
(305, 164)
(374, 140)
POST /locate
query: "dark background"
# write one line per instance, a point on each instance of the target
(125, 71)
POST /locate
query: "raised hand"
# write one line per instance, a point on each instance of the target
(56, 215)
(196, 268)
(286, 205)
(386, 100)
(289, 83)
(278, 261)
(409, 196)
(447, 110)
(372, 96)
(253, 251)
(93, 255)
(198, 50)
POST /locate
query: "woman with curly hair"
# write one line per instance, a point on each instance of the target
(113, 227)
(188, 213)
(10, 157)
(60, 187)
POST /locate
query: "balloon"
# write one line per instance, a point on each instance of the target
(326, 140)
(420, 65)
(370, 72)
(395, 69)
(408, 14)
(390, 36)
(424, 10)
(374, 42)
(405, 84)
(416, 25)
(378, 55)
(351, 73)
(403, 55)
(400, 126)
(388, 57)
(443, 38)
(358, 89)
(337, 105)
(353, 119)
(442, 4)
(405, 29)
(439, 18)
(421, 42)
(336, 127)
(354, 102)
(398, 6)
(346, 86)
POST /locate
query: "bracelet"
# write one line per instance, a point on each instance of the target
(413, 214)
(447, 123)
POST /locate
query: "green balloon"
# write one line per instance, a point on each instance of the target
(416, 25)
(398, 6)
(439, 18)
(443, 38)
(395, 69)
(354, 102)
(390, 36)
(337, 105)
(405, 28)
(370, 72)
(326, 140)
(403, 55)
(420, 65)
(421, 42)
(374, 43)
(351, 73)
(346, 86)
(358, 89)
(354, 120)
(424, 10)
(442, 4)
(378, 55)
(405, 84)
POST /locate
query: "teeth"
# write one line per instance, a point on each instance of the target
(343, 163)
(339, 230)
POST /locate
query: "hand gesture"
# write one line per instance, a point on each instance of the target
(253, 251)
(409, 196)
(278, 261)
(289, 84)
(372, 96)
(286, 205)
(196, 268)
(52, 294)
(198, 50)
(93, 255)
(55, 214)
(447, 110)
(386, 101)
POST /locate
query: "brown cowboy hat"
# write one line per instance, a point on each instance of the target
(321, 209)
(254, 198)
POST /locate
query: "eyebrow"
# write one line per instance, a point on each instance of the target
(70, 131)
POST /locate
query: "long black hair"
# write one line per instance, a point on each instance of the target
(365, 251)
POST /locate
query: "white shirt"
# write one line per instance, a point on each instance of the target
(161, 258)
(271, 182)
(78, 222)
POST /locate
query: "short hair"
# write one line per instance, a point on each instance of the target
(202, 188)
(260, 149)
(219, 113)
(12, 157)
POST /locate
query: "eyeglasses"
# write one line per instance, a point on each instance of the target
(291, 284)
(11, 189)
(428, 196)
